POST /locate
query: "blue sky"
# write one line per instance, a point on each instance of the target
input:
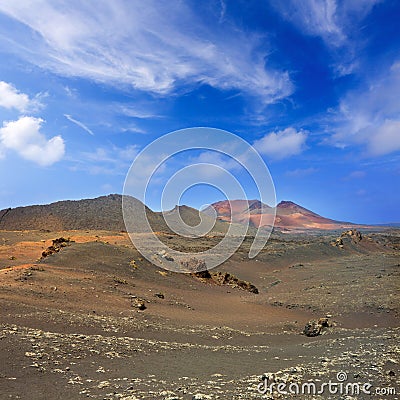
(313, 85)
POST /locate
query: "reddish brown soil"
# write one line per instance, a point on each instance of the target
(70, 328)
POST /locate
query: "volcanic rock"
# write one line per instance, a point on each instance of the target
(57, 245)
(314, 327)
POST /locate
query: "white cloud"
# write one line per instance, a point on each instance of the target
(215, 158)
(11, 98)
(356, 175)
(150, 46)
(128, 153)
(335, 22)
(79, 123)
(223, 11)
(113, 154)
(370, 116)
(314, 17)
(329, 19)
(135, 112)
(385, 139)
(301, 172)
(112, 160)
(132, 128)
(282, 144)
(71, 92)
(24, 137)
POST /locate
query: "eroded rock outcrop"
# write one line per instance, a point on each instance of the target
(352, 235)
(315, 327)
(57, 245)
(197, 269)
(225, 278)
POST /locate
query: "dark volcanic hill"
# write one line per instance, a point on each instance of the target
(101, 213)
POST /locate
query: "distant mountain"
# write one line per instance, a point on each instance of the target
(240, 211)
(105, 213)
(390, 224)
(193, 217)
(289, 215)
(288, 208)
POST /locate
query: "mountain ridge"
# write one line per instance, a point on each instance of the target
(105, 213)
(289, 215)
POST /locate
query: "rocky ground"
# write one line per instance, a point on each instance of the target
(96, 320)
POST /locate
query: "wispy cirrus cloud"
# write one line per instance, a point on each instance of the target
(385, 139)
(79, 123)
(110, 160)
(301, 172)
(370, 116)
(216, 158)
(113, 154)
(329, 19)
(334, 22)
(132, 128)
(315, 18)
(355, 175)
(135, 112)
(150, 46)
